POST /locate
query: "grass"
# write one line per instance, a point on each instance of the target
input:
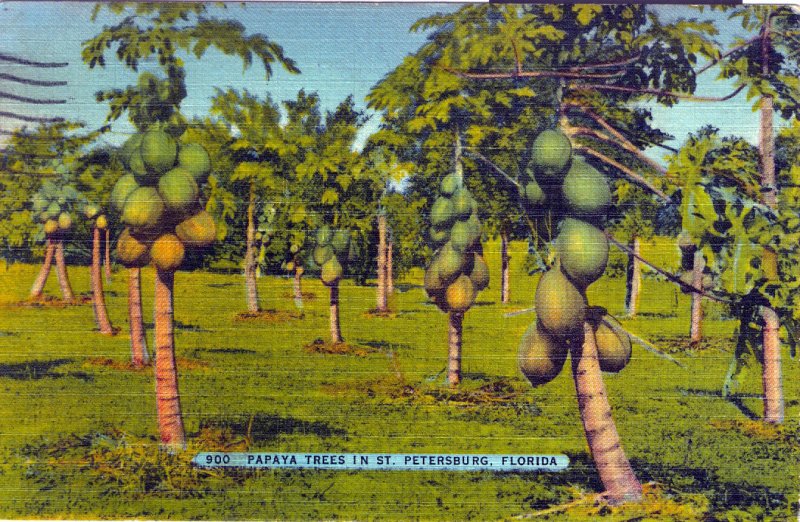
(78, 427)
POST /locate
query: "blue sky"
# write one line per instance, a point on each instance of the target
(342, 49)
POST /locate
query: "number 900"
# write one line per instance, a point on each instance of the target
(218, 459)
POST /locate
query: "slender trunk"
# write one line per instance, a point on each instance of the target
(298, 283)
(390, 266)
(139, 355)
(41, 279)
(98, 299)
(250, 255)
(454, 353)
(616, 474)
(168, 403)
(336, 329)
(382, 305)
(61, 272)
(771, 377)
(696, 329)
(505, 295)
(107, 257)
(634, 280)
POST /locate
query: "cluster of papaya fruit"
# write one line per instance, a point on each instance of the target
(688, 250)
(458, 271)
(577, 197)
(331, 254)
(53, 207)
(159, 201)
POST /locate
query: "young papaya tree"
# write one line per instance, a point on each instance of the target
(99, 223)
(457, 272)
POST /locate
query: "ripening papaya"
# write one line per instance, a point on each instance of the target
(451, 263)
(64, 221)
(586, 192)
(551, 153)
(460, 294)
(541, 356)
(50, 227)
(613, 347)
(583, 251)
(560, 306)
(101, 222)
(167, 252)
(132, 251)
(90, 211)
(197, 231)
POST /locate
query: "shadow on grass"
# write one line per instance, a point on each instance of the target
(179, 325)
(35, 370)
(384, 345)
(221, 285)
(230, 351)
(736, 399)
(264, 427)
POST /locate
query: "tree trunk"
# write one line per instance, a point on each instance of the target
(696, 329)
(455, 330)
(336, 329)
(250, 255)
(634, 279)
(382, 303)
(298, 283)
(616, 474)
(98, 299)
(41, 279)
(139, 355)
(505, 294)
(61, 272)
(168, 403)
(390, 266)
(107, 257)
(771, 377)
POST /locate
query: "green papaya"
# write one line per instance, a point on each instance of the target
(583, 250)
(122, 189)
(143, 208)
(479, 273)
(442, 215)
(462, 204)
(613, 346)
(586, 192)
(322, 254)
(560, 306)
(449, 185)
(332, 272)
(551, 153)
(159, 151)
(541, 356)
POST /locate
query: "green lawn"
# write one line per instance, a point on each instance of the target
(77, 438)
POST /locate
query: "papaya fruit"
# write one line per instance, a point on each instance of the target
(130, 147)
(560, 306)
(322, 254)
(167, 252)
(438, 236)
(178, 190)
(534, 194)
(158, 150)
(194, 159)
(54, 210)
(551, 153)
(541, 356)
(449, 185)
(143, 208)
(132, 251)
(465, 234)
(331, 272)
(479, 273)
(460, 294)
(613, 347)
(442, 215)
(341, 242)
(50, 227)
(451, 263)
(90, 211)
(101, 222)
(64, 221)
(324, 235)
(462, 204)
(122, 189)
(583, 251)
(197, 231)
(586, 192)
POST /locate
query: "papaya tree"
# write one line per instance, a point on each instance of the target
(457, 272)
(257, 147)
(164, 179)
(344, 205)
(588, 63)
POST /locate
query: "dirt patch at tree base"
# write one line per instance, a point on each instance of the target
(656, 504)
(269, 316)
(127, 366)
(374, 313)
(329, 348)
(49, 301)
(757, 429)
